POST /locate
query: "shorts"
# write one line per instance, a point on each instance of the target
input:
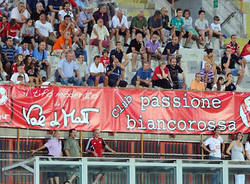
(233, 71)
(177, 33)
(53, 174)
(95, 42)
(94, 77)
(186, 35)
(122, 33)
(136, 32)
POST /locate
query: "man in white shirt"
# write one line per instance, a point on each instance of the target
(120, 27)
(19, 13)
(44, 30)
(100, 36)
(20, 77)
(97, 72)
(65, 11)
(84, 71)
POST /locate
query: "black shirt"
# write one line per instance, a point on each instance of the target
(118, 55)
(230, 87)
(165, 21)
(136, 45)
(171, 47)
(154, 23)
(234, 59)
(174, 72)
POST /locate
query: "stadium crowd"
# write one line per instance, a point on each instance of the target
(33, 30)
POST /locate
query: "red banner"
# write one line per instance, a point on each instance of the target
(123, 110)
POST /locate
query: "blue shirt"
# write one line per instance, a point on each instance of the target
(144, 75)
(39, 55)
(67, 68)
(20, 51)
(9, 52)
(116, 72)
(81, 4)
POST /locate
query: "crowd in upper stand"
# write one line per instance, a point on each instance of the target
(32, 30)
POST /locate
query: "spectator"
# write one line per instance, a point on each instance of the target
(214, 142)
(174, 70)
(33, 70)
(18, 60)
(39, 9)
(104, 58)
(237, 152)
(215, 27)
(63, 43)
(139, 25)
(228, 62)
(98, 35)
(161, 77)
(172, 50)
(102, 14)
(20, 13)
(188, 26)
(155, 25)
(136, 48)
(246, 52)
(202, 27)
(23, 49)
(68, 25)
(13, 29)
(20, 72)
(97, 72)
(95, 148)
(79, 46)
(219, 85)
(86, 20)
(32, 5)
(67, 68)
(28, 32)
(84, 71)
(153, 48)
(197, 84)
(40, 54)
(247, 147)
(229, 85)
(143, 76)
(120, 26)
(9, 53)
(3, 28)
(114, 74)
(165, 22)
(54, 145)
(65, 11)
(178, 30)
(54, 6)
(3, 74)
(207, 76)
(44, 30)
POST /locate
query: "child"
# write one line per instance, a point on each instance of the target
(3, 28)
(215, 26)
(12, 29)
(104, 58)
(27, 32)
(18, 60)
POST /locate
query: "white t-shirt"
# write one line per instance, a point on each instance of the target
(101, 31)
(215, 27)
(247, 148)
(44, 29)
(62, 13)
(94, 69)
(15, 76)
(16, 15)
(214, 144)
(116, 21)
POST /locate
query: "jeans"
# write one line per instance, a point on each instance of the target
(89, 82)
(71, 80)
(216, 175)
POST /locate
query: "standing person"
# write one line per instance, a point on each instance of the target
(95, 149)
(247, 147)
(54, 145)
(236, 150)
(214, 142)
(72, 149)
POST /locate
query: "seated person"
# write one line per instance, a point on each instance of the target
(219, 85)
(32, 68)
(28, 33)
(155, 25)
(20, 14)
(143, 76)
(114, 74)
(63, 43)
(202, 27)
(196, 84)
(84, 71)
(229, 85)
(215, 27)
(174, 70)
(67, 68)
(207, 76)
(65, 11)
(3, 28)
(20, 72)
(68, 25)
(172, 50)
(153, 48)
(86, 20)
(165, 20)
(39, 8)
(97, 71)
(101, 13)
(79, 46)
(246, 52)
(228, 62)
(13, 29)
(100, 36)
(162, 77)
(104, 58)
(139, 25)
(136, 48)
(54, 6)
(120, 26)
(32, 5)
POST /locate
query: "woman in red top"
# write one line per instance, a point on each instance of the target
(3, 28)
(161, 77)
(246, 51)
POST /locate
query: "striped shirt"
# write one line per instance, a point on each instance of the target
(9, 52)
(233, 47)
(210, 76)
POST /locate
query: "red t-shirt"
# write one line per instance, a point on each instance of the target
(245, 52)
(13, 29)
(4, 32)
(158, 71)
(105, 61)
(96, 145)
(14, 68)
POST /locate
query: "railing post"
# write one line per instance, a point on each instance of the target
(36, 171)
(84, 170)
(179, 177)
(225, 173)
(132, 175)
